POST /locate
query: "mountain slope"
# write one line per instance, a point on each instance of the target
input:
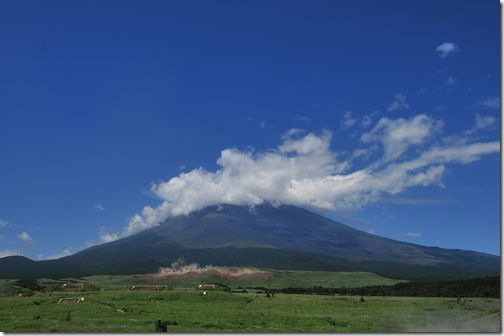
(293, 228)
(284, 237)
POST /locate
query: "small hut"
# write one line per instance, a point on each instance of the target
(206, 286)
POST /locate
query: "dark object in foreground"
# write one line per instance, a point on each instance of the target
(161, 326)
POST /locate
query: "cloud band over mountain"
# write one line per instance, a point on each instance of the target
(396, 154)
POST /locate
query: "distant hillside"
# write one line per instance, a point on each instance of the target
(283, 237)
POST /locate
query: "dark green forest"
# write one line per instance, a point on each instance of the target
(487, 287)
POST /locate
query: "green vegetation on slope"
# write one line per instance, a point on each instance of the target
(273, 279)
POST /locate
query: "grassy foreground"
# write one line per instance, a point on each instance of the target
(109, 306)
(127, 311)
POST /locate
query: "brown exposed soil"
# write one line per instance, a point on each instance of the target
(194, 271)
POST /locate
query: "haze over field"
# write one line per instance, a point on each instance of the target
(116, 117)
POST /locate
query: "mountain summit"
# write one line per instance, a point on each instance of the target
(283, 237)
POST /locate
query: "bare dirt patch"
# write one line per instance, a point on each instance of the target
(178, 270)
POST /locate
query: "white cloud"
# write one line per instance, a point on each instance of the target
(491, 103)
(8, 253)
(397, 135)
(450, 83)
(98, 207)
(481, 122)
(24, 236)
(304, 171)
(347, 120)
(3, 223)
(366, 121)
(64, 253)
(106, 236)
(399, 103)
(362, 152)
(447, 48)
(413, 234)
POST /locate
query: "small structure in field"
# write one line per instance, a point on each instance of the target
(70, 300)
(73, 287)
(149, 288)
(206, 286)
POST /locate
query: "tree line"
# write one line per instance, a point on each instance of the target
(488, 287)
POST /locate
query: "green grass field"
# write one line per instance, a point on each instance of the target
(125, 311)
(117, 309)
(278, 279)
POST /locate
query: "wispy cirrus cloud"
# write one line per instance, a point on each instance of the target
(366, 121)
(446, 49)
(25, 237)
(450, 83)
(481, 122)
(490, 103)
(348, 120)
(412, 234)
(9, 252)
(305, 171)
(107, 236)
(98, 207)
(397, 135)
(64, 253)
(399, 103)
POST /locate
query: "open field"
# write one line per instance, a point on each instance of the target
(267, 278)
(109, 305)
(127, 311)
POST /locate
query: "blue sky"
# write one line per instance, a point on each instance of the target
(103, 102)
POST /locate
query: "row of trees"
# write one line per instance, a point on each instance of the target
(481, 287)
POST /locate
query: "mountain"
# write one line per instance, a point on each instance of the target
(283, 237)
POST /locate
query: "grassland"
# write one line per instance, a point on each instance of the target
(117, 309)
(275, 279)
(124, 311)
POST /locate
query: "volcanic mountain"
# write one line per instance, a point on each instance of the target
(281, 237)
